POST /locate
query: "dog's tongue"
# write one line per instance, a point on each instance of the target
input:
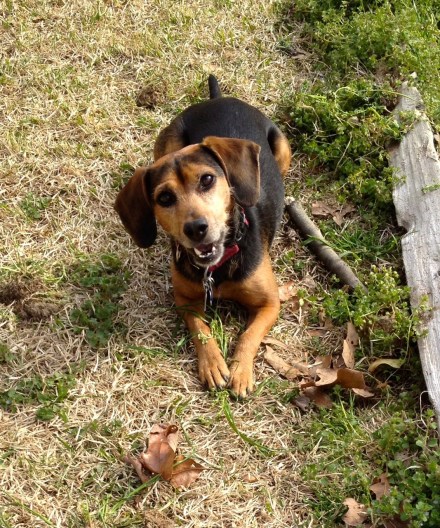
(204, 249)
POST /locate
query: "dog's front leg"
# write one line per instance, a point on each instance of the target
(259, 294)
(213, 370)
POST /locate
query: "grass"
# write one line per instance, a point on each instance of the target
(85, 89)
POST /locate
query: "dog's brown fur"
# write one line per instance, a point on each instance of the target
(180, 170)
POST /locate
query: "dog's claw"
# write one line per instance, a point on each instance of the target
(241, 382)
(213, 371)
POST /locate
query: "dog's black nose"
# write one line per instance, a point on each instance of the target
(196, 230)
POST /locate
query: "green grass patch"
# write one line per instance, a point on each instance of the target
(104, 281)
(33, 206)
(382, 38)
(49, 393)
(348, 456)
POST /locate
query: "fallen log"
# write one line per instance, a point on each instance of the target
(416, 198)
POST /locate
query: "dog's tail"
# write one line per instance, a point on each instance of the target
(214, 88)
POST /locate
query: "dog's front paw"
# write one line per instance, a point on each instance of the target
(242, 380)
(213, 370)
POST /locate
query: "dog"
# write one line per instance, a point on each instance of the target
(216, 189)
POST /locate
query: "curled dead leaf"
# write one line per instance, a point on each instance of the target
(162, 446)
(287, 291)
(356, 513)
(318, 396)
(394, 363)
(160, 458)
(381, 486)
(185, 472)
(290, 371)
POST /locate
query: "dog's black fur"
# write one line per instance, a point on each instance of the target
(232, 118)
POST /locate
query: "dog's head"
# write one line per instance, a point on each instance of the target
(191, 194)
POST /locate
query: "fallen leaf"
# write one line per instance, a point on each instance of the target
(355, 514)
(318, 396)
(274, 341)
(381, 486)
(287, 291)
(287, 370)
(160, 458)
(348, 354)
(349, 346)
(251, 479)
(327, 376)
(338, 216)
(345, 377)
(138, 467)
(352, 335)
(162, 446)
(322, 210)
(317, 332)
(363, 392)
(185, 472)
(394, 363)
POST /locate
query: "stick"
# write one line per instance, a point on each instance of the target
(307, 230)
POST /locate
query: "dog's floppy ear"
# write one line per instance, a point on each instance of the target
(239, 159)
(133, 206)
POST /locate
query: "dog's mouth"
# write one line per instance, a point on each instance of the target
(208, 254)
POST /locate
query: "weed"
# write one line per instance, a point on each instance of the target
(381, 313)
(49, 392)
(6, 356)
(347, 457)
(105, 282)
(223, 398)
(392, 37)
(410, 456)
(33, 206)
(344, 133)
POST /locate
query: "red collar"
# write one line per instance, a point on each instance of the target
(228, 254)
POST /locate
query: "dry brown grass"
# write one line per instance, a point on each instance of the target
(71, 75)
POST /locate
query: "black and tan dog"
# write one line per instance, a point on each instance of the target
(216, 189)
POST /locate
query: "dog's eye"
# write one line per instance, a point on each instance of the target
(166, 199)
(206, 181)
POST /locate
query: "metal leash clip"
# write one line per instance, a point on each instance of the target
(208, 286)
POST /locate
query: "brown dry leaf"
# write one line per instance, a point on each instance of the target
(161, 451)
(185, 472)
(394, 363)
(287, 291)
(287, 370)
(348, 354)
(138, 467)
(317, 332)
(381, 486)
(302, 402)
(350, 344)
(318, 396)
(347, 378)
(274, 341)
(160, 458)
(355, 514)
(363, 392)
(322, 210)
(352, 335)
(338, 216)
